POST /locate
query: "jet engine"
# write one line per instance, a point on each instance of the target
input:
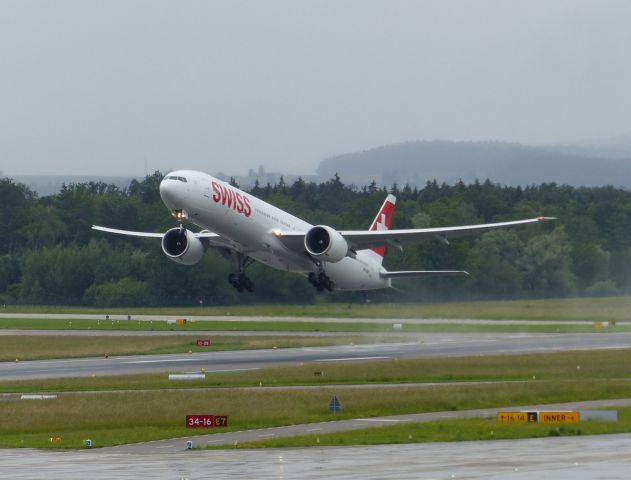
(325, 243)
(182, 246)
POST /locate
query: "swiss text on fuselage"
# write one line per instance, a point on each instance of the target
(227, 196)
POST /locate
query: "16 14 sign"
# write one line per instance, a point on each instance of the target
(206, 421)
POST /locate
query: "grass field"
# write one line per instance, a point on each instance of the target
(140, 413)
(468, 429)
(591, 309)
(299, 326)
(124, 417)
(27, 347)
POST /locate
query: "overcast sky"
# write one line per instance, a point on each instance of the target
(125, 87)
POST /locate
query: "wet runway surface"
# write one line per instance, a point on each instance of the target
(430, 345)
(576, 458)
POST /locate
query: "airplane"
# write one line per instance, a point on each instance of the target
(245, 229)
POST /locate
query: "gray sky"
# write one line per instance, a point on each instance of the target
(117, 87)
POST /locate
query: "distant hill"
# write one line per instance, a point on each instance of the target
(612, 147)
(504, 163)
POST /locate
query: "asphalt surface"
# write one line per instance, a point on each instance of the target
(430, 345)
(562, 458)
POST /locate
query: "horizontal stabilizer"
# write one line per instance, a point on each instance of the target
(425, 273)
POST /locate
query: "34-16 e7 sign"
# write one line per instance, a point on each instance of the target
(206, 421)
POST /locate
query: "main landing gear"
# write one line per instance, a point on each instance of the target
(321, 281)
(240, 280)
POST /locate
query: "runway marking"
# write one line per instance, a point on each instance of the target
(349, 359)
(267, 435)
(233, 370)
(377, 420)
(314, 429)
(164, 361)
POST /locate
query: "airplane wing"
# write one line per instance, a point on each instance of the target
(362, 239)
(212, 239)
(424, 273)
(128, 232)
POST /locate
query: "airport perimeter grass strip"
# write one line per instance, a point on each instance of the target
(591, 309)
(466, 429)
(126, 417)
(580, 366)
(299, 326)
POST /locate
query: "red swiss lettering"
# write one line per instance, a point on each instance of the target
(238, 202)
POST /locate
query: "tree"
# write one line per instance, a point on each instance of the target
(125, 292)
(546, 265)
(496, 270)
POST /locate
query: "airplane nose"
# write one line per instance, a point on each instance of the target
(168, 192)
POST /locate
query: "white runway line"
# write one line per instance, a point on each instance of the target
(234, 370)
(162, 361)
(377, 420)
(350, 359)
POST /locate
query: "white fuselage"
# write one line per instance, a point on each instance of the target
(249, 225)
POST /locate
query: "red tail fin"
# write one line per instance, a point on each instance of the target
(383, 220)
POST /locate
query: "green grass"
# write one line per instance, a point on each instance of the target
(580, 366)
(27, 347)
(123, 417)
(467, 429)
(590, 309)
(296, 326)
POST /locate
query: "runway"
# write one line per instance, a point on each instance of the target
(573, 458)
(428, 345)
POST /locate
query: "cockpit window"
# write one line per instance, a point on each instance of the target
(173, 177)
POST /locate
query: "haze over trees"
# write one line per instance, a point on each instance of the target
(49, 254)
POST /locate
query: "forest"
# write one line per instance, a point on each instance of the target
(49, 254)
